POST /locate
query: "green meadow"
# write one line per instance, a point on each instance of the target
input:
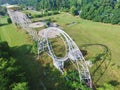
(99, 41)
(14, 36)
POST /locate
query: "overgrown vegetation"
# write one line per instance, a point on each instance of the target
(9, 20)
(106, 86)
(11, 75)
(2, 11)
(40, 14)
(73, 81)
(100, 47)
(58, 46)
(107, 11)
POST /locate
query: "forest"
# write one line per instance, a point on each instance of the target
(11, 75)
(106, 11)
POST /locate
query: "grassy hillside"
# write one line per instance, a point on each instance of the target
(41, 75)
(101, 41)
(14, 36)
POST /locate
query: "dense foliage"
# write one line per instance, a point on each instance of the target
(42, 14)
(73, 81)
(106, 86)
(9, 20)
(2, 11)
(11, 75)
(58, 4)
(107, 11)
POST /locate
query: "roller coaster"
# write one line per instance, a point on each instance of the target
(73, 53)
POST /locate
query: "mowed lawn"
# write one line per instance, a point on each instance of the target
(14, 36)
(100, 40)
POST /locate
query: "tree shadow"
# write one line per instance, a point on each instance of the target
(3, 24)
(114, 82)
(84, 52)
(101, 62)
(41, 74)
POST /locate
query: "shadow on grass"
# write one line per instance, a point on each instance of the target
(101, 62)
(114, 83)
(84, 52)
(41, 74)
(3, 24)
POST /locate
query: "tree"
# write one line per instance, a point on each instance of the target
(20, 86)
(4, 50)
(106, 86)
(85, 11)
(73, 10)
(34, 48)
(116, 17)
(101, 11)
(2, 11)
(73, 81)
(9, 20)
(10, 73)
(117, 5)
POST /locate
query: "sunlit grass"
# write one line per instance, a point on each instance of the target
(98, 37)
(14, 36)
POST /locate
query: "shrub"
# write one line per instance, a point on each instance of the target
(9, 20)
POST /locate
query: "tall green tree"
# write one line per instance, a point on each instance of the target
(20, 86)
(73, 81)
(73, 10)
(116, 16)
(10, 73)
(106, 86)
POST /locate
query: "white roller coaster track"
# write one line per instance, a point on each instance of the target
(73, 54)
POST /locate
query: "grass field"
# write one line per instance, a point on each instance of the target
(14, 36)
(101, 41)
(40, 74)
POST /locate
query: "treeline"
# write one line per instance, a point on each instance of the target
(11, 75)
(45, 4)
(107, 11)
(58, 4)
(12, 1)
(42, 14)
(20, 2)
(2, 11)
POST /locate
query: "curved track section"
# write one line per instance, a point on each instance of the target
(73, 54)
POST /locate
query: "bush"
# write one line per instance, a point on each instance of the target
(116, 17)
(9, 20)
(73, 10)
(34, 48)
(4, 50)
(10, 72)
(3, 11)
(106, 86)
(55, 12)
(73, 81)
(20, 86)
